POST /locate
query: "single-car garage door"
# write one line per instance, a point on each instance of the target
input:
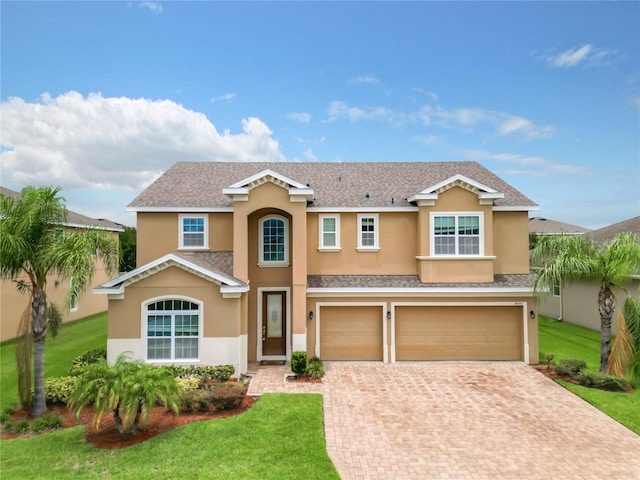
(458, 333)
(351, 333)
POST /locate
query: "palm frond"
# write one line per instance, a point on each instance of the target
(53, 318)
(623, 348)
(632, 316)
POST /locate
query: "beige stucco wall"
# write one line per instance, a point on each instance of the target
(221, 316)
(13, 304)
(511, 242)
(580, 303)
(396, 256)
(157, 234)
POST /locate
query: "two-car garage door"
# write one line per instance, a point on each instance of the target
(422, 332)
(458, 333)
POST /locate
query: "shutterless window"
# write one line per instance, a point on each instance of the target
(173, 330)
(456, 235)
(556, 289)
(193, 232)
(367, 231)
(329, 231)
(273, 240)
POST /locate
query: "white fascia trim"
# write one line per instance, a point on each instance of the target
(264, 173)
(93, 227)
(108, 291)
(418, 291)
(181, 209)
(178, 260)
(422, 196)
(232, 292)
(360, 209)
(464, 179)
(516, 208)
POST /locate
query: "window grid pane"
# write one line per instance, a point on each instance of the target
(175, 335)
(367, 231)
(193, 232)
(273, 238)
(329, 232)
(456, 235)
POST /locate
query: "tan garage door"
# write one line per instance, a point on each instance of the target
(459, 333)
(351, 333)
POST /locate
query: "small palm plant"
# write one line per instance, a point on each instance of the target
(128, 389)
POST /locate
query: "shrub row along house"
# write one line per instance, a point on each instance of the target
(246, 262)
(13, 303)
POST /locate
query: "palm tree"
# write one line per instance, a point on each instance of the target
(129, 390)
(34, 244)
(562, 259)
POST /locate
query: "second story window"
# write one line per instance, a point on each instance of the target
(368, 232)
(329, 232)
(456, 235)
(274, 239)
(193, 232)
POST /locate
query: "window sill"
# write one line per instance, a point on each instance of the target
(173, 361)
(456, 257)
(329, 249)
(192, 248)
(273, 264)
(368, 249)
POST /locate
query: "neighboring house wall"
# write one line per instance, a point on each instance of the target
(13, 304)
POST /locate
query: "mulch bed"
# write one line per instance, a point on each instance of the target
(108, 437)
(551, 373)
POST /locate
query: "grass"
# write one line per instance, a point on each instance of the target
(280, 437)
(565, 340)
(73, 339)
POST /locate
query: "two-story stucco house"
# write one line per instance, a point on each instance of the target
(247, 262)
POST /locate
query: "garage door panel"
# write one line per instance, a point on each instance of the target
(459, 333)
(351, 333)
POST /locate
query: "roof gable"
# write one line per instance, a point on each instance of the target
(431, 193)
(117, 286)
(240, 190)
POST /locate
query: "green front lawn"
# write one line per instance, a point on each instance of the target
(280, 437)
(73, 339)
(565, 340)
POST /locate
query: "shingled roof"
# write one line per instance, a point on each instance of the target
(361, 185)
(606, 234)
(553, 227)
(75, 219)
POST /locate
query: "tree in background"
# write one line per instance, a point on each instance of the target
(562, 259)
(128, 249)
(34, 244)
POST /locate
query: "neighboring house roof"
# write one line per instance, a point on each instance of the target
(75, 219)
(212, 266)
(547, 226)
(605, 234)
(200, 185)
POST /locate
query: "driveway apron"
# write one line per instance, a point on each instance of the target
(460, 420)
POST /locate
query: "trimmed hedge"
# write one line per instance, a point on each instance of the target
(570, 367)
(220, 373)
(58, 389)
(299, 362)
(603, 381)
(81, 362)
(221, 396)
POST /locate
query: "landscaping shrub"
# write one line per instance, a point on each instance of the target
(227, 396)
(299, 362)
(570, 367)
(58, 390)
(46, 422)
(219, 373)
(188, 384)
(603, 381)
(80, 363)
(315, 368)
(194, 401)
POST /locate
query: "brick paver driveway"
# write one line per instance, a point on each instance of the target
(461, 420)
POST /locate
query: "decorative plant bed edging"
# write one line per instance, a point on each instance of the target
(292, 377)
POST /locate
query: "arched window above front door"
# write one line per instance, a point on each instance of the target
(274, 241)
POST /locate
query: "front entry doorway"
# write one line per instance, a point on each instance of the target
(274, 324)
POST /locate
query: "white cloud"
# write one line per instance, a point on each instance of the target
(428, 139)
(155, 7)
(584, 54)
(224, 98)
(115, 143)
(509, 124)
(340, 110)
(301, 117)
(309, 156)
(526, 164)
(366, 79)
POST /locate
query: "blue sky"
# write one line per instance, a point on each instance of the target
(102, 97)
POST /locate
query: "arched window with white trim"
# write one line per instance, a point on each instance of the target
(274, 241)
(173, 329)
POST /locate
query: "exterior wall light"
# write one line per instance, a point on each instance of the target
(388, 314)
(532, 314)
(311, 315)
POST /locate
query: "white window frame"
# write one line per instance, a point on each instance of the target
(376, 229)
(457, 215)
(273, 263)
(181, 232)
(172, 338)
(73, 304)
(321, 232)
(556, 290)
